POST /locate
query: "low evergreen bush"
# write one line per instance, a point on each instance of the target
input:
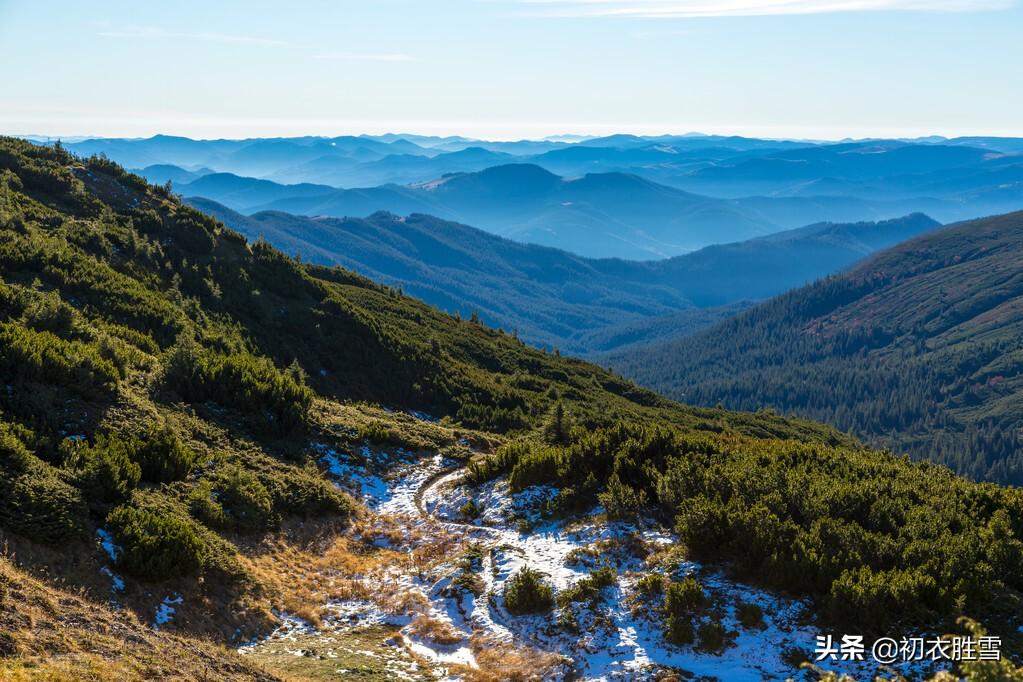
(527, 592)
(156, 546)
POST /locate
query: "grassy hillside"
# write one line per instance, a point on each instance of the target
(169, 389)
(918, 349)
(53, 634)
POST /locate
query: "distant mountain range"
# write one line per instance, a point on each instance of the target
(695, 162)
(920, 348)
(556, 298)
(599, 215)
(636, 197)
(726, 166)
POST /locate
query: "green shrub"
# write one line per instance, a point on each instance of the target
(380, 433)
(621, 501)
(651, 585)
(681, 600)
(713, 637)
(162, 456)
(684, 597)
(276, 401)
(106, 470)
(35, 503)
(246, 500)
(14, 456)
(28, 355)
(527, 592)
(501, 462)
(540, 467)
(156, 546)
(470, 510)
(48, 313)
(679, 630)
(750, 615)
(305, 493)
(864, 595)
(234, 500)
(589, 588)
(204, 505)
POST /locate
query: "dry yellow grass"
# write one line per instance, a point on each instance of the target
(308, 564)
(501, 662)
(55, 635)
(436, 631)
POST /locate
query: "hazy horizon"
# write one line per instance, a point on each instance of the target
(568, 138)
(514, 69)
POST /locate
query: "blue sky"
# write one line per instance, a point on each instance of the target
(513, 68)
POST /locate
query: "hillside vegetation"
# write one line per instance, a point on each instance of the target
(163, 381)
(919, 349)
(170, 389)
(877, 542)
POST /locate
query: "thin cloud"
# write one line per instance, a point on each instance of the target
(149, 32)
(683, 9)
(365, 56)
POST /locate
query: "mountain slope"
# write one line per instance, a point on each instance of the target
(160, 174)
(556, 298)
(764, 267)
(917, 349)
(547, 296)
(56, 635)
(247, 193)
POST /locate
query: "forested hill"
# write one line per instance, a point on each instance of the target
(559, 299)
(920, 349)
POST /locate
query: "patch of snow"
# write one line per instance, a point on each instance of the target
(456, 655)
(116, 581)
(361, 613)
(353, 476)
(404, 484)
(289, 629)
(165, 612)
(106, 541)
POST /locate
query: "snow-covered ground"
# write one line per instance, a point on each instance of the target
(462, 612)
